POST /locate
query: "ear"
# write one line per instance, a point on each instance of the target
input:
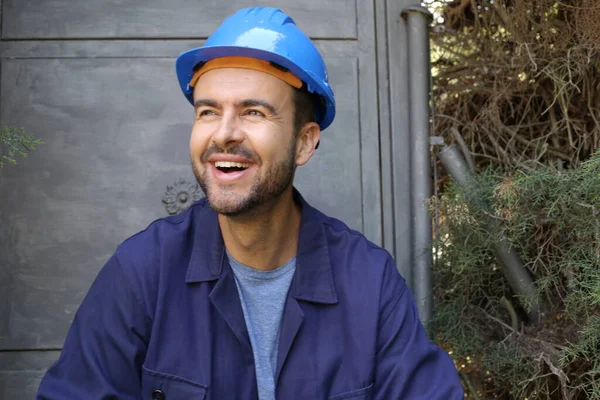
(306, 142)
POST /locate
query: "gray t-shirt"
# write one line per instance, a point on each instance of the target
(263, 294)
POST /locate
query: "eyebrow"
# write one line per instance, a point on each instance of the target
(244, 104)
(258, 103)
(205, 103)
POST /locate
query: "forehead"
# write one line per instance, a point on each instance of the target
(238, 83)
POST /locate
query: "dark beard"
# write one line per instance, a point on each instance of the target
(263, 191)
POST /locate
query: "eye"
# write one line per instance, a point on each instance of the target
(254, 113)
(206, 112)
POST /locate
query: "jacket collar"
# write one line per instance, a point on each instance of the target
(313, 280)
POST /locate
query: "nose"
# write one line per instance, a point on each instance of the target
(229, 132)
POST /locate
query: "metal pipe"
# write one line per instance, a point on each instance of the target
(419, 76)
(464, 149)
(517, 275)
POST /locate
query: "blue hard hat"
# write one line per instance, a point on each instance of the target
(267, 34)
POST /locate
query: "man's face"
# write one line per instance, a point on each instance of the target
(242, 145)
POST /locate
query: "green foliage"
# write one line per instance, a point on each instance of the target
(13, 143)
(552, 218)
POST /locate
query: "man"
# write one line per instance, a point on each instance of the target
(251, 293)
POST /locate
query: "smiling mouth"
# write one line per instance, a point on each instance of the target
(229, 166)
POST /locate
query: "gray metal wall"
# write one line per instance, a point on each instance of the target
(95, 80)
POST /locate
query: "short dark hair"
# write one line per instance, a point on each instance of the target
(304, 108)
(305, 104)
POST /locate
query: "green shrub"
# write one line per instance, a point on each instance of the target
(552, 219)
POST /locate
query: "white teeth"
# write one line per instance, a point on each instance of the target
(230, 164)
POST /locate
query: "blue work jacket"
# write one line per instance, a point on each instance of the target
(163, 321)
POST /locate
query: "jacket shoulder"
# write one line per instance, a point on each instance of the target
(352, 252)
(364, 273)
(341, 237)
(163, 230)
(160, 252)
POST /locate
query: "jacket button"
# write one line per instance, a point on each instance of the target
(158, 395)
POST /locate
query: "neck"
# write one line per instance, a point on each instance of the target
(267, 237)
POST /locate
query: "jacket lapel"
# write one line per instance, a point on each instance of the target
(290, 325)
(208, 262)
(225, 298)
(313, 281)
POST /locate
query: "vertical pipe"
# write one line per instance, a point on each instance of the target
(419, 77)
(395, 151)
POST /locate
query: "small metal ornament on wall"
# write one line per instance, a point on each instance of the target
(181, 195)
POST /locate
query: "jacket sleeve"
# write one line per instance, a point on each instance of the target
(105, 347)
(408, 365)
